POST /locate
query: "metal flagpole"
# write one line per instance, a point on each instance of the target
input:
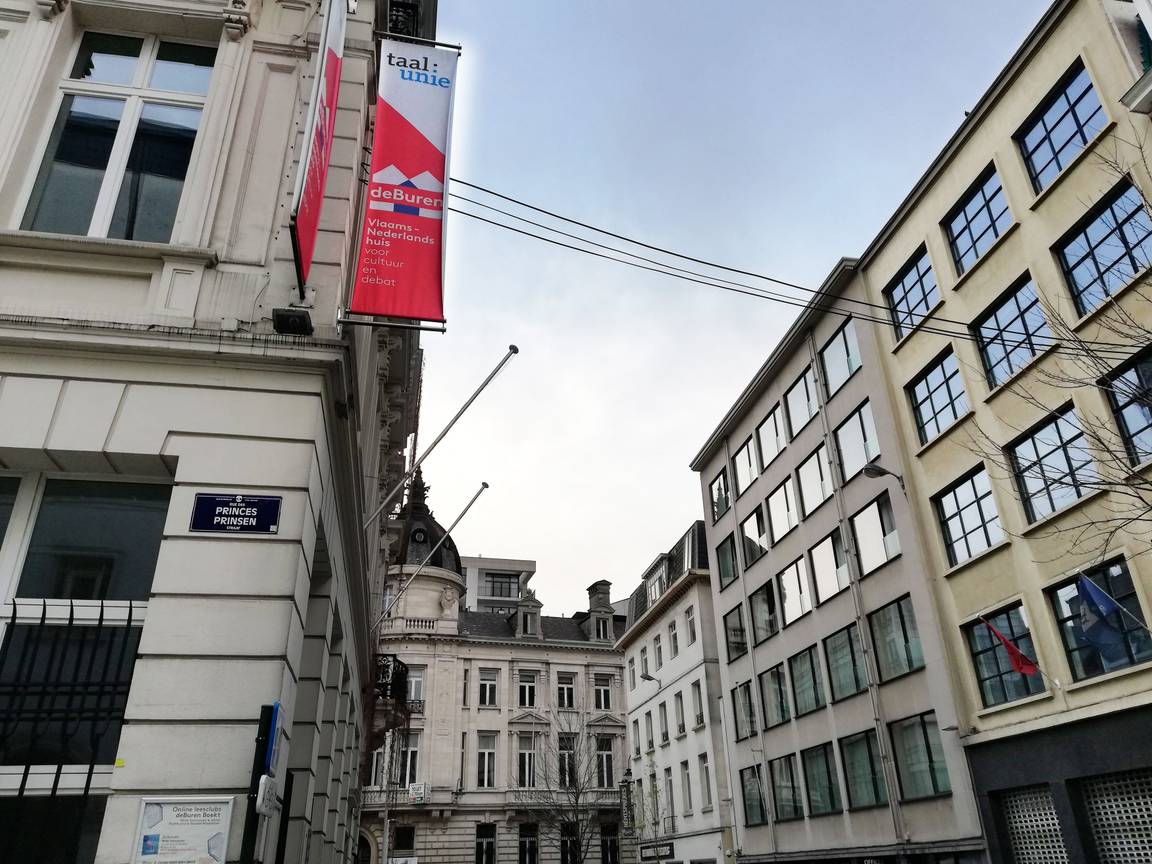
(427, 558)
(1119, 605)
(512, 349)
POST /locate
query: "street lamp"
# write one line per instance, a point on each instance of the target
(875, 471)
(644, 676)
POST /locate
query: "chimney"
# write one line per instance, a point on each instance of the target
(599, 595)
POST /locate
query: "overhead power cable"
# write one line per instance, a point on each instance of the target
(965, 334)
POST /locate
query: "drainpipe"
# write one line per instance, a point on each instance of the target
(854, 587)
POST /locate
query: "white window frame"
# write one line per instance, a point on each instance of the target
(489, 688)
(690, 620)
(409, 759)
(527, 689)
(415, 683)
(134, 96)
(486, 762)
(602, 692)
(526, 761)
(566, 690)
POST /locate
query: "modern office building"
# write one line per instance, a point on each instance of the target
(682, 800)
(495, 584)
(837, 702)
(182, 487)
(514, 748)
(1015, 277)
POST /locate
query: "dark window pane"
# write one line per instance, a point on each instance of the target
(187, 68)
(95, 541)
(978, 220)
(1065, 124)
(63, 829)
(63, 690)
(8, 489)
(154, 177)
(74, 163)
(107, 59)
(938, 398)
(912, 293)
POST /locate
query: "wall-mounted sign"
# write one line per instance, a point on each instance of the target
(183, 830)
(400, 273)
(657, 851)
(236, 514)
(417, 793)
(308, 195)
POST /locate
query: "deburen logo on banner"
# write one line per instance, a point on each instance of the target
(400, 272)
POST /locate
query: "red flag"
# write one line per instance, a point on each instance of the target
(1021, 662)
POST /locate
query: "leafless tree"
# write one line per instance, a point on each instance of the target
(566, 780)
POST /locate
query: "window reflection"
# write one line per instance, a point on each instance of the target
(184, 68)
(107, 59)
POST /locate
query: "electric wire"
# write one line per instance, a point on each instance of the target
(782, 282)
(1119, 352)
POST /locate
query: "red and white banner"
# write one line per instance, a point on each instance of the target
(400, 273)
(308, 196)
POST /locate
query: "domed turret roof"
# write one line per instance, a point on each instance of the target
(419, 532)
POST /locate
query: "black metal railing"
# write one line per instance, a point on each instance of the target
(415, 706)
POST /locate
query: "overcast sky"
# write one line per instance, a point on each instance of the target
(771, 136)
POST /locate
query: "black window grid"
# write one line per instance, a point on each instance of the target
(938, 397)
(821, 783)
(969, 520)
(1052, 465)
(912, 656)
(735, 636)
(999, 683)
(1130, 393)
(920, 725)
(786, 788)
(912, 293)
(807, 661)
(1012, 333)
(877, 787)
(975, 223)
(850, 636)
(1062, 126)
(774, 693)
(1108, 248)
(726, 561)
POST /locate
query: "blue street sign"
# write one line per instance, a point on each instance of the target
(236, 514)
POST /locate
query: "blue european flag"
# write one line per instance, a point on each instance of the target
(1108, 639)
(1101, 599)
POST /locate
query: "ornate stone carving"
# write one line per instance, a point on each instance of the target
(51, 8)
(447, 603)
(237, 18)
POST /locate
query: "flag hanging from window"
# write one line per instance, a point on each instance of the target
(1020, 661)
(1103, 634)
(400, 272)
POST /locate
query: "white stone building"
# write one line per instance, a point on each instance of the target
(681, 798)
(496, 700)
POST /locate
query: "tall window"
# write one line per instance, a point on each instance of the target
(526, 763)
(857, 442)
(1061, 127)
(690, 621)
(409, 758)
(755, 808)
(1130, 392)
(754, 537)
(770, 436)
(863, 770)
(840, 357)
(527, 689)
(999, 682)
(726, 561)
(786, 788)
(815, 480)
(657, 650)
(486, 760)
(669, 798)
(705, 783)
(569, 843)
(745, 466)
(631, 673)
(678, 708)
(762, 603)
(1052, 464)
(662, 709)
(1098, 641)
(874, 530)
(820, 780)
(1012, 332)
(605, 775)
(488, 680)
(602, 692)
(636, 738)
(896, 639)
(529, 846)
(122, 141)
(774, 696)
(697, 703)
(919, 757)
(968, 517)
(721, 500)
(783, 514)
(566, 686)
(673, 639)
(937, 396)
(847, 674)
(415, 684)
(648, 729)
(976, 222)
(566, 750)
(743, 710)
(807, 686)
(829, 566)
(795, 596)
(802, 402)
(464, 694)
(912, 293)
(734, 634)
(486, 843)
(686, 787)
(610, 842)
(603, 628)
(1106, 250)
(643, 662)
